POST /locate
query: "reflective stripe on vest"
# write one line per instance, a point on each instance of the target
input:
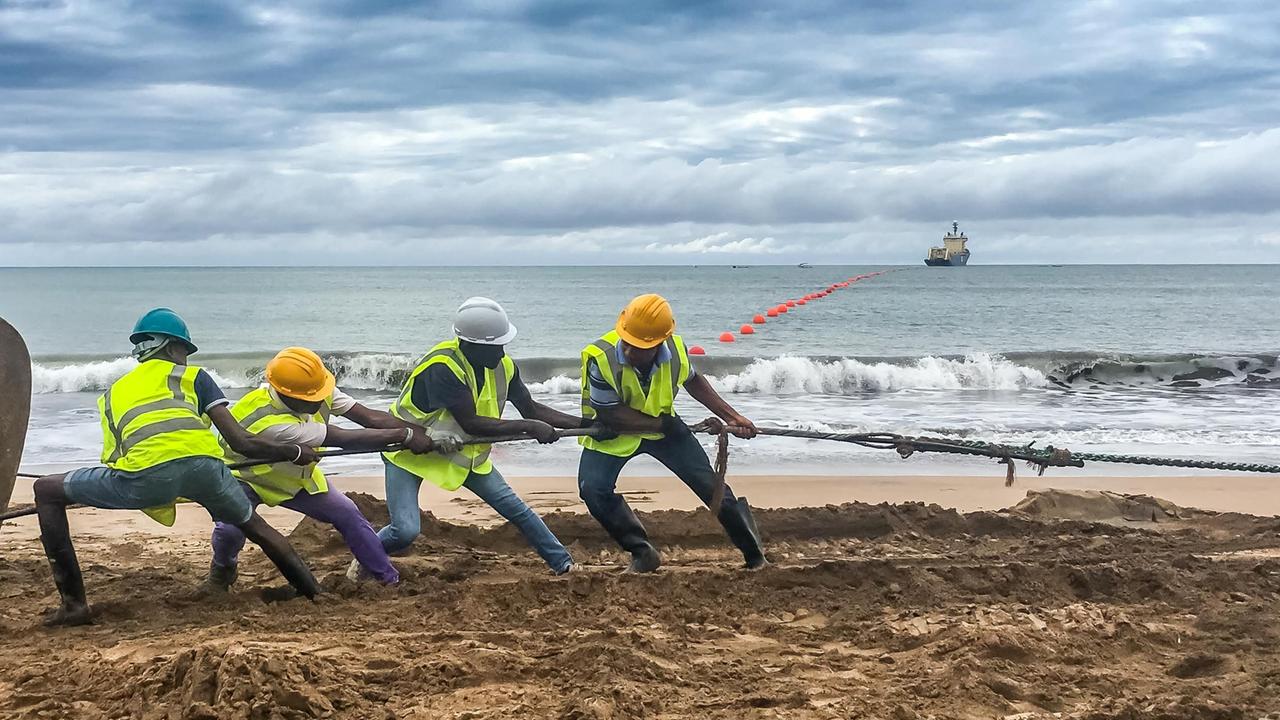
(277, 482)
(665, 381)
(149, 417)
(450, 472)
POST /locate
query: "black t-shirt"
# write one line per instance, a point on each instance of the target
(437, 387)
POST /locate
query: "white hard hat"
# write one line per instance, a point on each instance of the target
(483, 322)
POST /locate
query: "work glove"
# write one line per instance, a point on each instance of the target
(674, 428)
(446, 443)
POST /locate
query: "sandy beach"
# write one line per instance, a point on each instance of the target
(901, 610)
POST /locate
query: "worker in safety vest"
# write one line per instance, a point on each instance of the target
(294, 406)
(630, 378)
(461, 386)
(157, 447)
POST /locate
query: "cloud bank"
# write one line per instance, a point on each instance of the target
(317, 132)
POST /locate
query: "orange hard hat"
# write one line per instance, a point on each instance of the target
(646, 321)
(298, 373)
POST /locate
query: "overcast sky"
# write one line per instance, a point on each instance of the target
(384, 132)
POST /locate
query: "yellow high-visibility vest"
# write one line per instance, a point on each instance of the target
(277, 482)
(665, 380)
(450, 471)
(151, 416)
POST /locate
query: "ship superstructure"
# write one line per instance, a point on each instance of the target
(952, 252)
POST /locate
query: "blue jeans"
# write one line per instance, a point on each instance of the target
(406, 515)
(206, 480)
(684, 456)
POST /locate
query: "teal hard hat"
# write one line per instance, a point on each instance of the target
(162, 321)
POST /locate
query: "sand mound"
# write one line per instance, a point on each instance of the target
(686, 529)
(1099, 506)
(879, 611)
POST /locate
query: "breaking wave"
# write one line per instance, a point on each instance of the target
(794, 375)
(787, 375)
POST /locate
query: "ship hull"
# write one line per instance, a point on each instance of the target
(955, 261)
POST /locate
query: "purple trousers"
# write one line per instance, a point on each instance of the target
(332, 507)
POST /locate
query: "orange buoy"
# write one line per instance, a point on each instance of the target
(782, 308)
(747, 330)
(791, 303)
(759, 319)
(697, 350)
(801, 302)
(771, 312)
(726, 337)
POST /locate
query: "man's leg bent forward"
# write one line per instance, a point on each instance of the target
(685, 457)
(227, 541)
(55, 535)
(336, 509)
(597, 486)
(402, 505)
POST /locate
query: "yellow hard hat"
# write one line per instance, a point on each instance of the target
(300, 374)
(646, 321)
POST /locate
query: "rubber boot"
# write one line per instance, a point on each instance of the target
(74, 609)
(222, 578)
(740, 526)
(295, 570)
(626, 529)
(282, 554)
(645, 560)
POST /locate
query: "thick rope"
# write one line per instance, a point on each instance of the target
(1039, 458)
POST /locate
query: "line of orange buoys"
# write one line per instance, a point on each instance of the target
(783, 308)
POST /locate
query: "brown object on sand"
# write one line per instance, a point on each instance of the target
(15, 406)
(1097, 506)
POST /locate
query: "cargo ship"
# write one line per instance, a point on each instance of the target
(952, 253)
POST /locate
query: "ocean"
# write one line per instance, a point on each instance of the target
(1169, 360)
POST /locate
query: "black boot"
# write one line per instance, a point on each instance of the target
(645, 560)
(222, 578)
(282, 554)
(740, 526)
(626, 529)
(74, 609)
(294, 569)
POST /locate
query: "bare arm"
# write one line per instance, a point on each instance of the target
(252, 446)
(623, 419)
(534, 410)
(382, 429)
(365, 439)
(464, 413)
(700, 389)
(369, 418)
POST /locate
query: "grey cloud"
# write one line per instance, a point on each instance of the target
(1133, 178)
(402, 122)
